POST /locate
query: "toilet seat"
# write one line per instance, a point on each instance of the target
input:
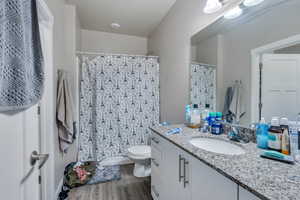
(140, 152)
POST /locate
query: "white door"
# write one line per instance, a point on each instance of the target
(280, 85)
(19, 138)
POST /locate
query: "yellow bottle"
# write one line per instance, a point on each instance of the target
(285, 140)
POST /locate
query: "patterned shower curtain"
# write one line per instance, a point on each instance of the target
(119, 101)
(203, 85)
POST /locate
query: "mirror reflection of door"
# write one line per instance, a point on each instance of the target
(280, 85)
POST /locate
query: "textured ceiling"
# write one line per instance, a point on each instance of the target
(136, 17)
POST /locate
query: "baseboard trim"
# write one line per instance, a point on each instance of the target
(58, 189)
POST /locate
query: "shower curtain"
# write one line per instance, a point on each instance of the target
(119, 101)
(203, 85)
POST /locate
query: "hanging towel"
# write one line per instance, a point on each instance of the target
(21, 59)
(65, 113)
(237, 107)
(228, 99)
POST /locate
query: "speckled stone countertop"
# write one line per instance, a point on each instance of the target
(267, 179)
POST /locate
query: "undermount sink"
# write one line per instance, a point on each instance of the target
(217, 146)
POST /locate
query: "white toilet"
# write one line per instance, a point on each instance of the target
(140, 155)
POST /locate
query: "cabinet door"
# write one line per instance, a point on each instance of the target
(185, 191)
(208, 184)
(246, 195)
(171, 173)
(157, 163)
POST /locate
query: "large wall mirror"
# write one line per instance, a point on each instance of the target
(248, 66)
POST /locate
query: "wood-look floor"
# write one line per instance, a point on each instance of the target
(128, 188)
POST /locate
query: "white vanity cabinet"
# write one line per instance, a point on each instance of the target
(171, 179)
(207, 183)
(157, 167)
(177, 175)
(246, 195)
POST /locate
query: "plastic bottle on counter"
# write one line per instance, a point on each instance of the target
(195, 121)
(294, 144)
(285, 140)
(216, 127)
(188, 113)
(205, 112)
(275, 133)
(262, 134)
(211, 118)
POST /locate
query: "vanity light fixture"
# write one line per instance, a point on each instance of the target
(249, 3)
(233, 13)
(212, 6)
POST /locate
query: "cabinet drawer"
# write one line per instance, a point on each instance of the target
(156, 157)
(155, 140)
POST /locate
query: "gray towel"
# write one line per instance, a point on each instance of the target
(65, 112)
(237, 106)
(228, 99)
(21, 59)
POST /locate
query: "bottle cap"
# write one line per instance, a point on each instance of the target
(196, 106)
(284, 121)
(275, 121)
(207, 105)
(219, 114)
(262, 120)
(212, 114)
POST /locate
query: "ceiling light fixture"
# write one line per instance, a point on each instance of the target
(233, 13)
(212, 6)
(115, 25)
(249, 3)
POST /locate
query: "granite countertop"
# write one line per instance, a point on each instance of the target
(267, 179)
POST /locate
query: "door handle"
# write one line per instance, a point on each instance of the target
(34, 157)
(185, 181)
(38, 157)
(180, 161)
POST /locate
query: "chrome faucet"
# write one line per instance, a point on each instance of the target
(235, 133)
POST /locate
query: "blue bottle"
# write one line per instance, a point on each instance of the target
(262, 134)
(211, 118)
(188, 113)
(216, 127)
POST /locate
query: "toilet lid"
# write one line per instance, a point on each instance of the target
(141, 150)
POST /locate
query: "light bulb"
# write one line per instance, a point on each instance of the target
(212, 6)
(249, 3)
(233, 13)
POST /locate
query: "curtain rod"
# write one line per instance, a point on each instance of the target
(110, 54)
(203, 64)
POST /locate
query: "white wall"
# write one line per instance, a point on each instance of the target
(194, 53)
(65, 34)
(207, 51)
(210, 51)
(95, 41)
(171, 41)
(57, 9)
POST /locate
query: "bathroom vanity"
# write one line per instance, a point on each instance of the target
(181, 171)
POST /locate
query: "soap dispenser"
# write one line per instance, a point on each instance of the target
(262, 134)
